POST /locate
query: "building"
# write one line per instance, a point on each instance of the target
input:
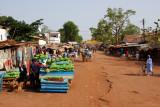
(133, 39)
(3, 33)
(41, 40)
(53, 37)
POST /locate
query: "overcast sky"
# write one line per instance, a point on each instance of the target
(84, 13)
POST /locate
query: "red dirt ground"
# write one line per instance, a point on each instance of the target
(106, 81)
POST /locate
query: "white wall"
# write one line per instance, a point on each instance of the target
(42, 42)
(3, 34)
(53, 39)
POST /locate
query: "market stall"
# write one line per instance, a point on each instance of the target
(11, 54)
(56, 74)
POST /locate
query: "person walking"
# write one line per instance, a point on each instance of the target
(137, 56)
(79, 51)
(149, 65)
(95, 48)
(75, 55)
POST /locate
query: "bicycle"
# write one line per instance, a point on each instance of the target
(143, 70)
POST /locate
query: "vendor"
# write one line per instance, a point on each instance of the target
(34, 68)
(23, 73)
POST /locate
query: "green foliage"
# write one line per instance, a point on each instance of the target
(20, 30)
(45, 28)
(108, 29)
(152, 36)
(102, 33)
(79, 38)
(62, 34)
(117, 19)
(130, 29)
(69, 32)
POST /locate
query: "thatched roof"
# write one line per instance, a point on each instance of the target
(12, 43)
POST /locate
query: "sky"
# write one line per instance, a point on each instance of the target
(84, 13)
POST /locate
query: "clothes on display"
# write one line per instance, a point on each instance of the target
(4, 56)
(8, 64)
(19, 55)
(34, 50)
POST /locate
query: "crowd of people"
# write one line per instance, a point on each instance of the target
(124, 52)
(35, 65)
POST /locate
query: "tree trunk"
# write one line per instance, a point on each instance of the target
(116, 38)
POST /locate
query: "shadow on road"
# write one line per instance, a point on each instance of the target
(155, 75)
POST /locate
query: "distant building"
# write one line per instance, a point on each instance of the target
(73, 43)
(53, 37)
(41, 40)
(133, 39)
(3, 33)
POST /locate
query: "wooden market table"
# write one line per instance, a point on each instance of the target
(12, 81)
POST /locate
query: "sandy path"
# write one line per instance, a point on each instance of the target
(104, 82)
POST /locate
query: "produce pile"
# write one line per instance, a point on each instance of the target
(64, 67)
(12, 74)
(41, 56)
(55, 81)
(54, 78)
(57, 64)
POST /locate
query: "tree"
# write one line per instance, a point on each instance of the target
(20, 30)
(79, 38)
(130, 29)
(117, 19)
(45, 28)
(102, 33)
(62, 35)
(69, 32)
(94, 33)
(153, 35)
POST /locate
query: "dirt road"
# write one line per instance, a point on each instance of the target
(106, 81)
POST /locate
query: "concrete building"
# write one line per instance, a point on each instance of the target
(53, 37)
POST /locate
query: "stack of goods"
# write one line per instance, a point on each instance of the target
(2, 73)
(40, 56)
(56, 80)
(54, 85)
(12, 74)
(61, 67)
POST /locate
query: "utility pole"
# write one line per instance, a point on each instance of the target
(143, 21)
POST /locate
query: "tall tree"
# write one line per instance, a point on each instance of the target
(62, 34)
(117, 19)
(70, 32)
(102, 33)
